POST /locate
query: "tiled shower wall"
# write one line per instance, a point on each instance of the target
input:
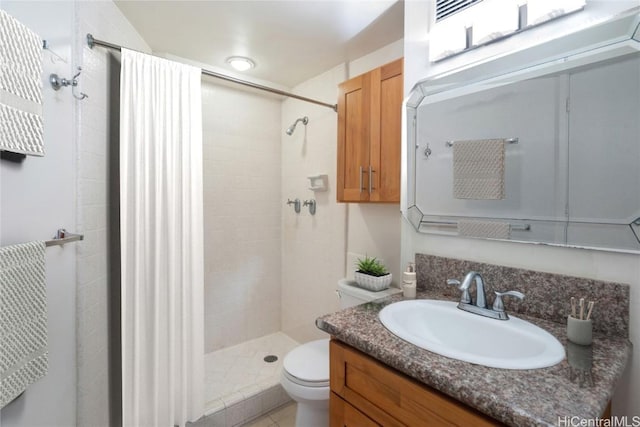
(242, 205)
(314, 246)
(97, 132)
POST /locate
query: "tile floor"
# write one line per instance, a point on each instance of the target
(284, 416)
(241, 386)
(239, 372)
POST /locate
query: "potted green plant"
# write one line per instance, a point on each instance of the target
(372, 274)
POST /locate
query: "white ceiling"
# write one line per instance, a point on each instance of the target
(290, 41)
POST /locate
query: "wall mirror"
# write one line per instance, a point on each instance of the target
(569, 115)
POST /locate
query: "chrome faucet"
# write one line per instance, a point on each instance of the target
(481, 297)
(480, 306)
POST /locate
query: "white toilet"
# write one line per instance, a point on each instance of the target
(305, 369)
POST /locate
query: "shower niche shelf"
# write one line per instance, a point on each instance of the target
(318, 182)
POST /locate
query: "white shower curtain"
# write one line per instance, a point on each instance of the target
(161, 237)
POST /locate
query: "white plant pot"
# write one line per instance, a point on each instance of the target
(372, 283)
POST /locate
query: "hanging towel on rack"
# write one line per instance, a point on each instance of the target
(21, 127)
(484, 229)
(478, 169)
(23, 318)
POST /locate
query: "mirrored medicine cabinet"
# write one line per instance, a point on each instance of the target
(569, 114)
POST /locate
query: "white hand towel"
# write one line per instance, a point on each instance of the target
(21, 127)
(23, 318)
(478, 169)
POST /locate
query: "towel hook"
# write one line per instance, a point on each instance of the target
(58, 82)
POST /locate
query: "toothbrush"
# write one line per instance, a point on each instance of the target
(581, 308)
(591, 304)
(573, 307)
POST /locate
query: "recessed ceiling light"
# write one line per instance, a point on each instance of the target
(240, 63)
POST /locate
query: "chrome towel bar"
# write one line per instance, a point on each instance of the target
(518, 227)
(63, 237)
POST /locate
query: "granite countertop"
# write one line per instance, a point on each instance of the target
(515, 397)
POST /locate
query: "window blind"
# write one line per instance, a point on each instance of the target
(446, 8)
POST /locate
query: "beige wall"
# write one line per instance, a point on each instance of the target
(314, 247)
(593, 264)
(372, 229)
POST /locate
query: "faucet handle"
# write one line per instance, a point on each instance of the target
(453, 282)
(498, 305)
(466, 296)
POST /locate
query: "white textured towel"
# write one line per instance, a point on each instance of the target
(484, 229)
(23, 318)
(21, 127)
(478, 169)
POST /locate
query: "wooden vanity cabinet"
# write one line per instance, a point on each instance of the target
(365, 392)
(369, 134)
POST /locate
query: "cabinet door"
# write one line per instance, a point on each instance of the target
(345, 415)
(354, 132)
(391, 398)
(387, 91)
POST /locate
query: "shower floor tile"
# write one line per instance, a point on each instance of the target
(239, 372)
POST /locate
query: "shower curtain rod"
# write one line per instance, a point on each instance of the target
(91, 41)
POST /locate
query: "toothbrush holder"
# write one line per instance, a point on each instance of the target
(579, 331)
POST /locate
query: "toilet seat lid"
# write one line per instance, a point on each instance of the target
(309, 363)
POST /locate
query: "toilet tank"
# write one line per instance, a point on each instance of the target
(351, 295)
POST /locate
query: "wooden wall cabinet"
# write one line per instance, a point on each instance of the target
(369, 135)
(365, 392)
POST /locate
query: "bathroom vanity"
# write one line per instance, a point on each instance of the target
(380, 379)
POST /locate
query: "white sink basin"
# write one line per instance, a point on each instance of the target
(440, 327)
